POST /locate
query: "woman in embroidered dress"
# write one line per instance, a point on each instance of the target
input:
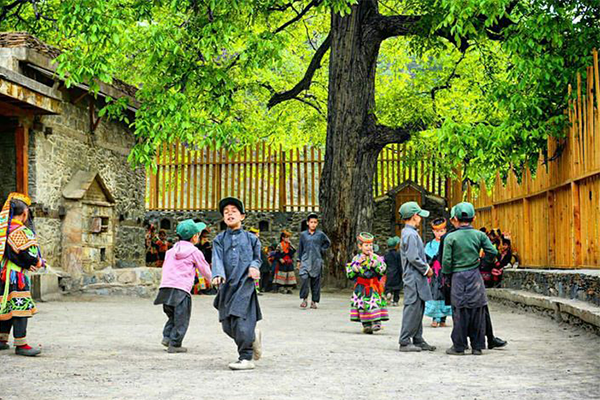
(19, 253)
(285, 277)
(366, 269)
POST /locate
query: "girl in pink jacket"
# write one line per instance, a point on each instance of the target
(178, 273)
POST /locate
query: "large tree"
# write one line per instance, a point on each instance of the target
(480, 81)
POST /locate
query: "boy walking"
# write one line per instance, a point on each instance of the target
(313, 243)
(236, 264)
(461, 259)
(415, 272)
(179, 271)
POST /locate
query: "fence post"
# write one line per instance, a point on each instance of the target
(527, 243)
(282, 195)
(576, 225)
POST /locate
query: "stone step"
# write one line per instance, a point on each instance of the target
(578, 284)
(575, 312)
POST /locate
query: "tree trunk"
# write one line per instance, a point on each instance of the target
(346, 187)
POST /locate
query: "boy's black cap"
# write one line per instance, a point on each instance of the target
(312, 215)
(231, 201)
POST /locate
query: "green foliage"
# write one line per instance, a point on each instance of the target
(489, 93)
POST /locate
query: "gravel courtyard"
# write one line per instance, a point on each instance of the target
(109, 348)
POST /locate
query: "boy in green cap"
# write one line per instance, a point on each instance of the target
(236, 265)
(415, 272)
(461, 258)
(178, 273)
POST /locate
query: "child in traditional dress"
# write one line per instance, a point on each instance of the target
(415, 272)
(436, 308)
(368, 303)
(393, 262)
(469, 302)
(285, 276)
(236, 265)
(19, 253)
(163, 245)
(179, 269)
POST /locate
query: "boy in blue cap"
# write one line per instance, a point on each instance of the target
(236, 265)
(461, 258)
(415, 272)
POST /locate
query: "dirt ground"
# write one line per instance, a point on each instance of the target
(109, 348)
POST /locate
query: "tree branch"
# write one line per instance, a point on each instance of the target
(299, 15)
(383, 135)
(306, 81)
(396, 25)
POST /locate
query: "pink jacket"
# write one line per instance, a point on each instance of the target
(181, 263)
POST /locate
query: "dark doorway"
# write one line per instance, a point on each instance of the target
(8, 158)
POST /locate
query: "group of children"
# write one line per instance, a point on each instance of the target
(445, 272)
(439, 279)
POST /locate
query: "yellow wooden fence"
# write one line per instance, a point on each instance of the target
(266, 178)
(554, 216)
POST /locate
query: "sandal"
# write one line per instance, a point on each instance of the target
(304, 304)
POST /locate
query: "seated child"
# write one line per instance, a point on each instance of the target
(368, 303)
(181, 263)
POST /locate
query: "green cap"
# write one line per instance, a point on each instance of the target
(453, 212)
(411, 208)
(188, 228)
(464, 210)
(393, 241)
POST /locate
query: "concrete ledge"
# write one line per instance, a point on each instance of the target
(575, 312)
(575, 284)
(44, 286)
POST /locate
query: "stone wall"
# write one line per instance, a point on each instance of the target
(274, 222)
(581, 285)
(383, 223)
(8, 166)
(60, 146)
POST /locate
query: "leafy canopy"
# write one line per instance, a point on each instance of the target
(489, 94)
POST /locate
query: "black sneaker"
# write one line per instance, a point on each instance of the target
(425, 346)
(497, 343)
(4, 346)
(173, 349)
(409, 348)
(453, 352)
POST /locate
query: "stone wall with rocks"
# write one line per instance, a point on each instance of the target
(63, 144)
(581, 285)
(272, 223)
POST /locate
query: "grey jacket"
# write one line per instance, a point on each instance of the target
(414, 266)
(310, 253)
(234, 252)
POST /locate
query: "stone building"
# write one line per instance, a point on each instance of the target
(88, 201)
(386, 221)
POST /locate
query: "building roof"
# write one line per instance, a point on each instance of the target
(81, 182)
(25, 40)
